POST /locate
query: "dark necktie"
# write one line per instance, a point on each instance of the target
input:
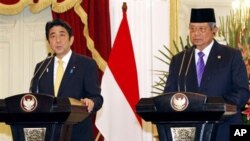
(200, 67)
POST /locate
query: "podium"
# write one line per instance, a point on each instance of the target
(185, 116)
(41, 117)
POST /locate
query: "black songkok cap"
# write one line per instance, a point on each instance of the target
(202, 15)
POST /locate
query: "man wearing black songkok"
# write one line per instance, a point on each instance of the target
(223, 73)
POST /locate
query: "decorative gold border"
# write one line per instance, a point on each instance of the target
(173, 21)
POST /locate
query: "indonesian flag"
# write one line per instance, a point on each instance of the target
(117, 120)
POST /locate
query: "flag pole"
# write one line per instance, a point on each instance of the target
(124, 7)
(98, 136)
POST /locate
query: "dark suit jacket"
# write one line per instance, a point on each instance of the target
(80, 80)
(224, 75)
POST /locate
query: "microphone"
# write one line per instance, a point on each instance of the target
(189, 61)
(37, 87)
(180, 70)
(31, 82)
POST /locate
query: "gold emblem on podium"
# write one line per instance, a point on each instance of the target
(179, 102)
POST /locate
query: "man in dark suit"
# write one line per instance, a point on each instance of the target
(219, 71)
(80, 76)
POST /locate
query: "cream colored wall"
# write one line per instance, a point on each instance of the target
(22, 45)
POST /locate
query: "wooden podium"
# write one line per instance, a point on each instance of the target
(185, 116)
(40, 117)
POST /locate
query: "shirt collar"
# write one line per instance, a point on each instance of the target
(206, 51)
(65, 58)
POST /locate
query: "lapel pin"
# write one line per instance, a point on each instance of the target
(219, 57)
(72, 70)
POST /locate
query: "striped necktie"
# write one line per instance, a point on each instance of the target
(200, 67)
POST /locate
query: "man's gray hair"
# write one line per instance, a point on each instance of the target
(212, 25)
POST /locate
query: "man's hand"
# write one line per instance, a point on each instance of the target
(89, 103)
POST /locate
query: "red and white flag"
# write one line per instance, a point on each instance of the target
(117, 120)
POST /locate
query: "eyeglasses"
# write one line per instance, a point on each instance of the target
(201, 29)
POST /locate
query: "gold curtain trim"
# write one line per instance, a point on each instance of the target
(13, 9)
(63, 6)
(42, 4)
(90, 43)
(59, 8)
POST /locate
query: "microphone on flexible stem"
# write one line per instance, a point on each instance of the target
(189, 61)
(182, 61)
(37, 87)
(31, 82)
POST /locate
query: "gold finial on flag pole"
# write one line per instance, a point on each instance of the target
(124, 7)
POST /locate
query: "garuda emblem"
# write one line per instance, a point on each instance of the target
(28, 103)
(179, 102)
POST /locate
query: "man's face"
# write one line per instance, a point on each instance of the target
(59, 40)
(201, 34)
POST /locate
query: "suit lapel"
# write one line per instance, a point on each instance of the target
(192, 77)
(212, 64)
(189, 77)
(46, 78)
(69, 72)
(51, 75)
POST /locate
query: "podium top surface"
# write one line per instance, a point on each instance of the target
(178, 107)
(30, 107)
